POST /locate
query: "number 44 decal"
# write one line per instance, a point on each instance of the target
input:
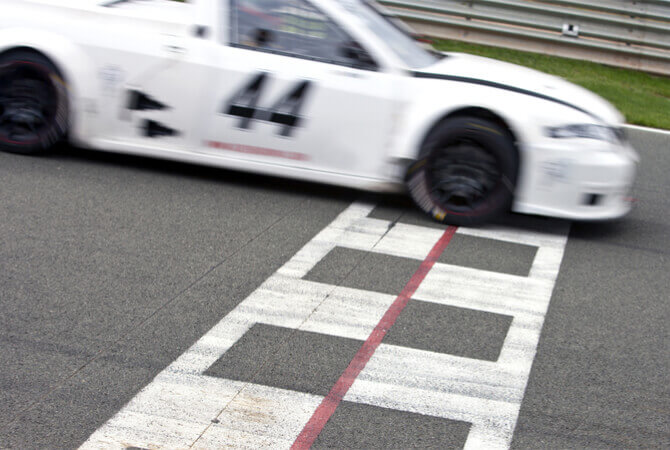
(244, 104)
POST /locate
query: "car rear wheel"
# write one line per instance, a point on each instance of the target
(466, 172)
(33, 103)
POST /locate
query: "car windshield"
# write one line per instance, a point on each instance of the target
(398, 41)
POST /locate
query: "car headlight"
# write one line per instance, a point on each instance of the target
(587, 131)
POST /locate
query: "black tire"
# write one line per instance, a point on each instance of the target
(33, 103)
(466, 172)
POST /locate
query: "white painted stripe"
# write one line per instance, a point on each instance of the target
(135, 429)
(554, 236)
(547, 263)
(177, 409)
(476, 409)
(482, 290)
(349, 313)
(193, 399)
(408, 241)
(260, 416)
(436, 372)
(413, 241)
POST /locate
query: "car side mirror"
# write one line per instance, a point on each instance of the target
(355, 53)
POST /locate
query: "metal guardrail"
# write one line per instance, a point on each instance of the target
(625, 33)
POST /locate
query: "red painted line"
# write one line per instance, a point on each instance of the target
(250, 149)
(330, 403)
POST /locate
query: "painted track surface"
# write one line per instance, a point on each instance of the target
(113, 268)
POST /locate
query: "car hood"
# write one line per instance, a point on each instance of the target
(490, 72)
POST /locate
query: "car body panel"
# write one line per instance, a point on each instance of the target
(355, 126)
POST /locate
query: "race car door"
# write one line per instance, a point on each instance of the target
(150, 90)
(296, 90)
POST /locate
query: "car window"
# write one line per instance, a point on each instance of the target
(294, 28)
(398, 40)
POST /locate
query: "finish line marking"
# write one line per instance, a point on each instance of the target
(182, 407)
(330, 403)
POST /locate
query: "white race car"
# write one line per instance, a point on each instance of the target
(331, 91)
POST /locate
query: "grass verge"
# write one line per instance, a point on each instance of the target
(644, 99)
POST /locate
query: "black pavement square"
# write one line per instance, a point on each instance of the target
(449, 329)
(489, 254)
(287, 358)
(364, 270)
(355, 425)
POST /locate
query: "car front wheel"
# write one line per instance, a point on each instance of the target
(466, 172)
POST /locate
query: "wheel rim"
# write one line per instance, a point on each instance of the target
(462, 176)
(27, 103)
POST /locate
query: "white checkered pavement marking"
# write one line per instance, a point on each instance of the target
(177, 409)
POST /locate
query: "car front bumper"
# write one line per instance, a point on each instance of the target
(593, 183)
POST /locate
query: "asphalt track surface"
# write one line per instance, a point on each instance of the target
(112, 267)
